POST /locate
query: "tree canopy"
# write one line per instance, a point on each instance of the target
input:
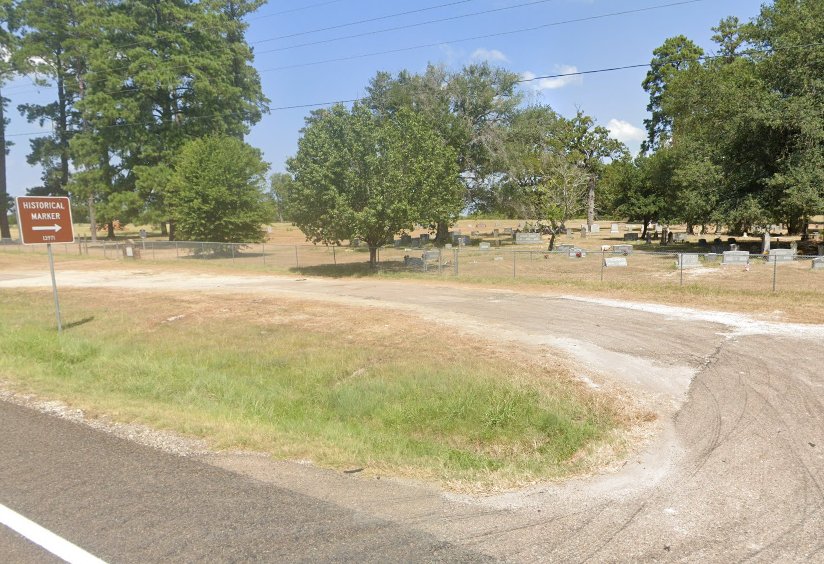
(216, 191)
(362, 175)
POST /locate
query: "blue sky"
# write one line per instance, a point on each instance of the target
(615, 99)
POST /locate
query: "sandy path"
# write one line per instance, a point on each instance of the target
(737, 472)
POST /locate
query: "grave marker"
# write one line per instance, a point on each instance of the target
(687, 260)
(615, 262)
(781, 255)
(736, 257)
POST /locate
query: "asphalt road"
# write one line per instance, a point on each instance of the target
(737, 473)
(124, 502)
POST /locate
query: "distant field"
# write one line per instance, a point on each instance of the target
(343, 387)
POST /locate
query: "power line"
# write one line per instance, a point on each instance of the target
(521, 81)
(368, 20)
(478, 37)
(400, 27)
(397, 14)
(292, 10)
(435, 44)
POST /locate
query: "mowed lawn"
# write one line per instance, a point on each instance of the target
(340, 386)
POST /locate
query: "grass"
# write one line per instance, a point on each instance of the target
(340, 386)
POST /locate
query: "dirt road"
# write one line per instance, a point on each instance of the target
(736, 473)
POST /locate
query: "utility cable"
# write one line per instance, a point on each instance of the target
(520, 81)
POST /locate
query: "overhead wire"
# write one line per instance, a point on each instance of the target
(479, 37)
(747, 52)
(367, 33)
(465, 39)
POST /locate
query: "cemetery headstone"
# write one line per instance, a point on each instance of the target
(596, 228)
(484, 246)
(687, 260)
(615, 262)
(577, 253)
(679, 237)
(424, 238)
(630, 236)
(565, 248)
(613, 229)
(818, 263)
(781, 255)
(622, 249)
(528, 239)
(507, 231)
(736, 257)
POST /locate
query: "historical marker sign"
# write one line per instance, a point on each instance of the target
(44, 220)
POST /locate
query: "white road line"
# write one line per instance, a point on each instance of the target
(45, 538)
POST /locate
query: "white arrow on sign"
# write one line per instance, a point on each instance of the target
(54, 228)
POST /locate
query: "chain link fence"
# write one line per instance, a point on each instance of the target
(617, 264)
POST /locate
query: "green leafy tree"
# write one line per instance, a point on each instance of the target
(7, 47)
(280, 184)
(217, 191)
(591, 147)
(746, 124)
(471, 109)
(358, 175)
(160, 73)
(49, 45)
(676, 54)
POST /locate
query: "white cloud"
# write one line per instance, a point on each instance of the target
(491, 55)
(626, 132)
(563, 76)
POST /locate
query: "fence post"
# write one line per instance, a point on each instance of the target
(455, 252)
(334, 257)
(177, 254)
(263, 252)
(681, 264)
(440, 260)
(297, 259)
(232, 248)
(104, 249)
(153, 251)
(514, 255)
(775, 269)
(603, 263)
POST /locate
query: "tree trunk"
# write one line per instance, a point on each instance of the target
(92, 221)
(163, 231)
(442, 234)
(62, 125)
(373, 256)
(5, 231)
(110, 229)
(690, 229)
(644, 229)
(552, 241)
(172, 231)
(590, 203)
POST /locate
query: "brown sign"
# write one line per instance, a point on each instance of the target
(44, 220)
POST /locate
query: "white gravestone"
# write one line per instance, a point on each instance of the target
(688, 260)
(615, 262)
(736, 257)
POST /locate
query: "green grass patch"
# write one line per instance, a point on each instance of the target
(397, 400)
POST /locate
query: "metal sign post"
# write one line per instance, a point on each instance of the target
(43, 221)
(54, 290)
